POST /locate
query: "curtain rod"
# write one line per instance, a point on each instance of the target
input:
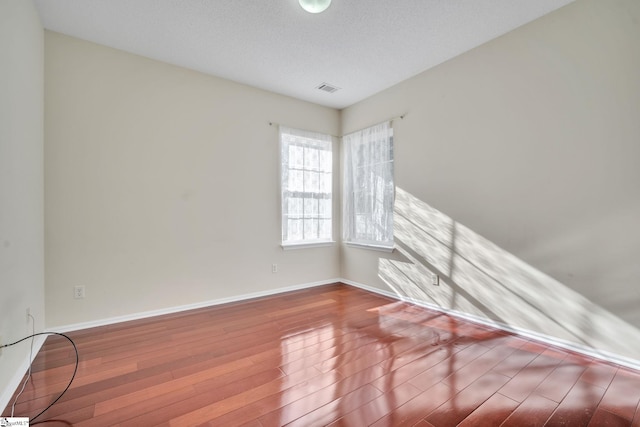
(306, 130)
(401, 117)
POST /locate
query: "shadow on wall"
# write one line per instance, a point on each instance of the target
(480, 279)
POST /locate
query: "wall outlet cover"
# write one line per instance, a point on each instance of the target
(78, 292)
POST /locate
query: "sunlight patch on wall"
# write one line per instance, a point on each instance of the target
(481, 279)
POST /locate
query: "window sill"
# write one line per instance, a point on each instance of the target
(371, 247)
(305, 245)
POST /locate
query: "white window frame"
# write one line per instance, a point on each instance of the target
(368, 188)
(306, 188)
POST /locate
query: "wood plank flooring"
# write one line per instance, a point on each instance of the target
(329, 356)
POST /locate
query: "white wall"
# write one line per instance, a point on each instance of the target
(162, 185)
(21, 185)
(528, 146)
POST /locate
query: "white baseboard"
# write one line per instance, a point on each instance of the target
(547, 339)
(177, 309)
(374, 290)
(589, 351)
(39, 341)
(16, 380)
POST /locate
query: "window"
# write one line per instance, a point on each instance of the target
(369, 187)
(306, 184)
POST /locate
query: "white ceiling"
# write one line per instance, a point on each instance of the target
(361, 46)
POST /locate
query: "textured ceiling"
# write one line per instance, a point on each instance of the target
(360, 46)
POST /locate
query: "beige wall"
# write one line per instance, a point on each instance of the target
(516, 165)
(162, 186)
(528, 146)
(21, 185)
(162, 183)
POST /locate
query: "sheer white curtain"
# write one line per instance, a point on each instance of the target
(368, 186)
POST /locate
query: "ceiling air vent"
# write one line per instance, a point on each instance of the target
(326, 87)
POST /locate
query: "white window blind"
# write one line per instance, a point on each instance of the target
(306, 184)
(369, 187)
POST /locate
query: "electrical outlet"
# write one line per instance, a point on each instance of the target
(78, 292)
(274, 268)
(435, 279)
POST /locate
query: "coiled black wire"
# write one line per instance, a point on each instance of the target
(75, 370)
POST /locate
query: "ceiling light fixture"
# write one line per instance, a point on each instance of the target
(314, 6)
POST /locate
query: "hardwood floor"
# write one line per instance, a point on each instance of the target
(333, 355)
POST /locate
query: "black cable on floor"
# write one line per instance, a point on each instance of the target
(28, 376)
(72, 376)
